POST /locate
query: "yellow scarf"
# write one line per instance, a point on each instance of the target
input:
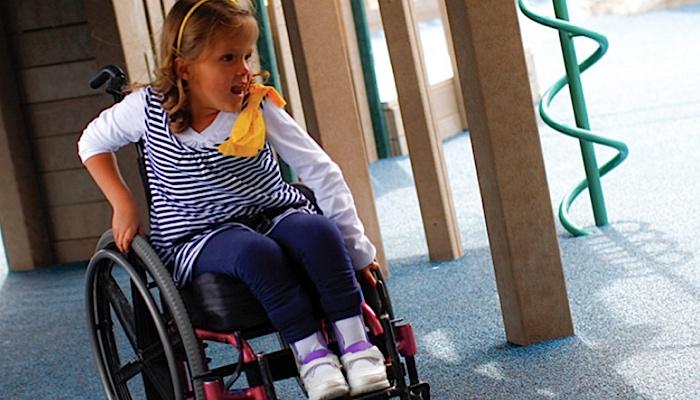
(247, 136)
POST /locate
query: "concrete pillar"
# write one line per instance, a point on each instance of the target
(22, 216)
(132, 22)
(317, 40)
(424, 147)
(510, 169)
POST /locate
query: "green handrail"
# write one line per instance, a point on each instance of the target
(567, 32)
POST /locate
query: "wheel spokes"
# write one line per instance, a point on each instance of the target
(128, 371)
(126, 305)
(149, 358)
(160, 379)
(122, 309)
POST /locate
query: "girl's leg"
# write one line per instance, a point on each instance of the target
(262, 265)
(315, 243)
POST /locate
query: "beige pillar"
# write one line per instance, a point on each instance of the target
(510, 169)
(167, 5)
(135, 38)
(325, 84)
(22, 217)
(155, 11)
(424, 147)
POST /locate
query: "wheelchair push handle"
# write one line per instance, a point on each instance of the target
(115, 79)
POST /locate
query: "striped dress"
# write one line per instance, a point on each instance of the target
(196, 191)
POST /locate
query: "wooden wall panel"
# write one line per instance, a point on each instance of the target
(66, 251)
(57, 82)
(446, 109)
(80, 221)
(53, 60)
(57, 153)
(64, 188)
(26, 242)
(51, 46)
(26, 15)
(65, 116)
(56, 46)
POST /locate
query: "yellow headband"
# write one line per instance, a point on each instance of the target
(184, 22)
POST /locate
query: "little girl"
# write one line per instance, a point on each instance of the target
(208, 131)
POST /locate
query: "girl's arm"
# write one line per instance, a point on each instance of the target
(114, 128)
(125, 219)
(323, 176)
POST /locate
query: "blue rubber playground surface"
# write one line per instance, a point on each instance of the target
(634, 285)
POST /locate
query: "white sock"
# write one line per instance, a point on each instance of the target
(308, 345)
(349, 331)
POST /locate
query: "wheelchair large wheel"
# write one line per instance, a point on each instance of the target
(139, 327)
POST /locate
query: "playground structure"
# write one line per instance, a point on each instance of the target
(567, 32)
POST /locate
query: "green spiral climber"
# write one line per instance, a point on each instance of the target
(567, 32)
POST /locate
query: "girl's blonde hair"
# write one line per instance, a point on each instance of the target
(202, 27)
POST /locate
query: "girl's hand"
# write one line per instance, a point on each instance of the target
(126, 223)
(367, 273)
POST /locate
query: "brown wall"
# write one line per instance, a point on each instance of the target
(53, 51)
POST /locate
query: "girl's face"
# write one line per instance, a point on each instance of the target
(218, 79)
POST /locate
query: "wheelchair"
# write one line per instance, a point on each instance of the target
(151, 339)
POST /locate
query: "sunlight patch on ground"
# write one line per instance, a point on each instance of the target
(490, 370)
(546, 393)
(440, 346)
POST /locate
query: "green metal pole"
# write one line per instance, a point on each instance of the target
(266, 49)
(381, 133)
(578, 102)
(268, 62)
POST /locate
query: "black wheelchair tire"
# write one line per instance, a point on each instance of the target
(177, 327)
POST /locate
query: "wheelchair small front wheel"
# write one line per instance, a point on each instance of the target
(139, 327)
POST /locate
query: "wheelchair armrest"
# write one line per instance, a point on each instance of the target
(376, 296)
(309, 194)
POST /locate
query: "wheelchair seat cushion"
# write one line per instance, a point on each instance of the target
(222, 304)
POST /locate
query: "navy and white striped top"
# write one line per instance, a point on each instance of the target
(196, 191)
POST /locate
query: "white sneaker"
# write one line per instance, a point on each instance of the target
(323, 378)
(365, 370)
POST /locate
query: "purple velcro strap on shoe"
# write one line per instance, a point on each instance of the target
(315, 355)
(359, 346)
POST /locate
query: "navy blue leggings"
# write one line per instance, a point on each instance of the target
(269, 266)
